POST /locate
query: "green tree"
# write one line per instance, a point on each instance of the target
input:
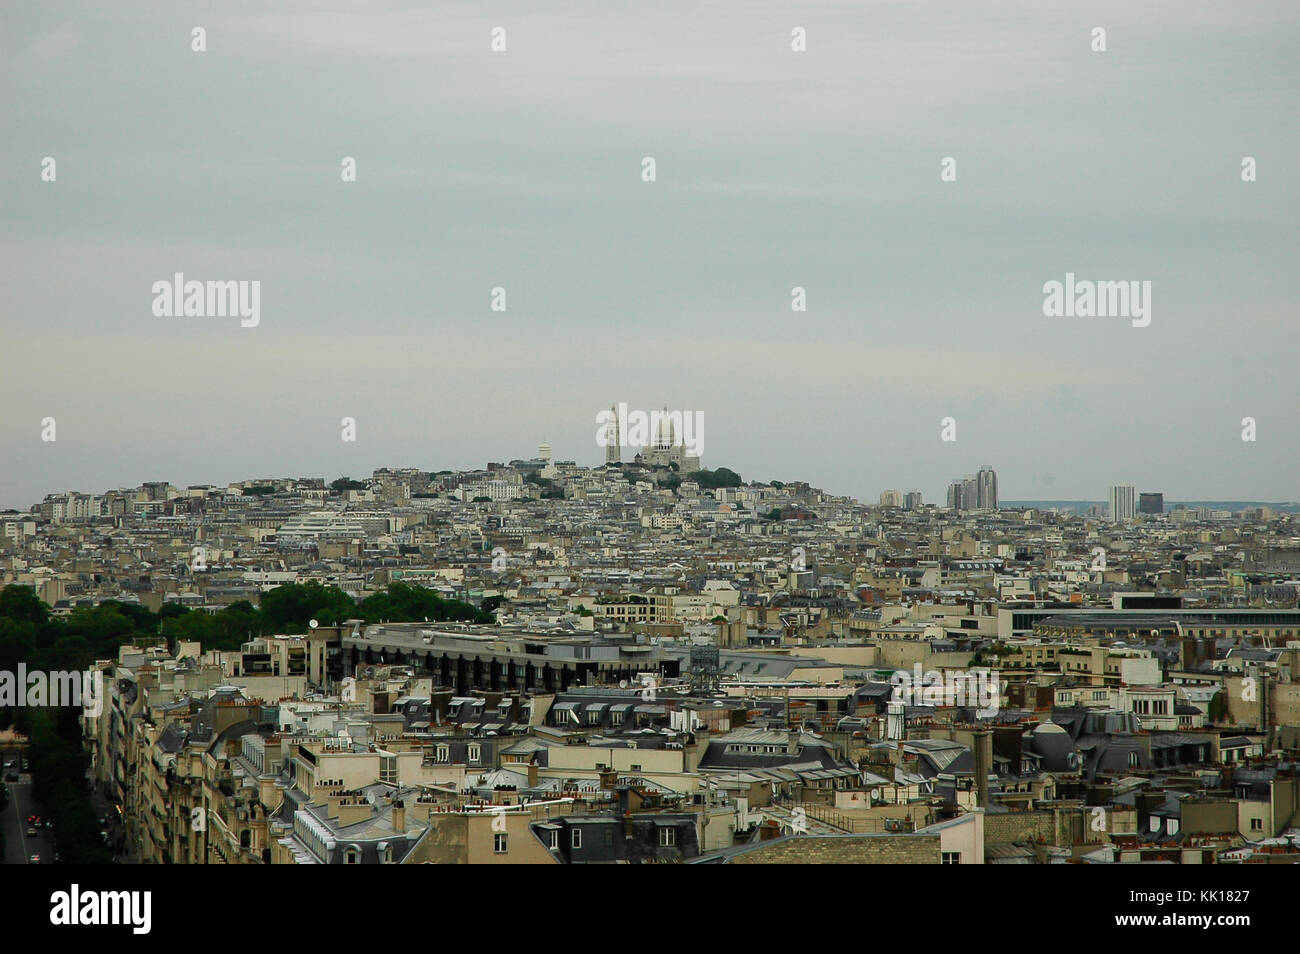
(21, 604)
(239, 622)
(1217, 711)
(193, 626)
(404, 603)
(288, 608)
(713, 479)
(59, 767)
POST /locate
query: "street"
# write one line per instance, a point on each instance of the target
(18, 845)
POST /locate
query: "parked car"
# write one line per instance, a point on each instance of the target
(34, 860)
(31, 831)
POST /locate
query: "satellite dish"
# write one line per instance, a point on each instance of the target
(312, 623)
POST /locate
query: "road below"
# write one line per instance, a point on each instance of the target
(19, 846)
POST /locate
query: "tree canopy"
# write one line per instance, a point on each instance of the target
(713, 479)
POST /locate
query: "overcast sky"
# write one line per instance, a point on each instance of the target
(775, 169)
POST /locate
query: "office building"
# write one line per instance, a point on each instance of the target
(987, 488)
(1121, 503)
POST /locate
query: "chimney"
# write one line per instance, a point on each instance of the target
(399, 815)
(351, 809)
(1265, 715)
(694, 751)
(792, 742)
(983, 765)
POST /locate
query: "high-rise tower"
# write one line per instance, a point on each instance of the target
(613, 451)
(1121, 503)
(987, 488)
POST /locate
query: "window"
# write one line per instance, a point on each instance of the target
(667, 837)
(1133, 760)
(950, 858)
(444, 753)
(352, 856)
(475, 753)
(575, 839)
(1257, 824)
(555, 839)
(499, 843)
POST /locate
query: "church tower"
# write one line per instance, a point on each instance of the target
(667, 435)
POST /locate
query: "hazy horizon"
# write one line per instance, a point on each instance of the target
(775, 169)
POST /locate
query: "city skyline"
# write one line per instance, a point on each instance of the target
(420, 637)
(847, 432)
(545, 450)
